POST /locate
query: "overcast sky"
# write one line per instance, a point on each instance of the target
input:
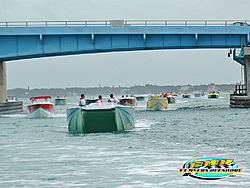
(163, 67)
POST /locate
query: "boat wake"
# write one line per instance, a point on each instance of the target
(15, 115)
(142, 124)
(204, 107)
(59, 115)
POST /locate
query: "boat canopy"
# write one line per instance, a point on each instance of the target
(41, 97)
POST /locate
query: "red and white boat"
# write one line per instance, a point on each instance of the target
(128, 101)
(40, 107)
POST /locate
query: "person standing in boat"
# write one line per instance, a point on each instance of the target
(82, 101)
(99, 101)
(113, 100)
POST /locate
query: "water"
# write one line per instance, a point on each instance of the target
(42, 153)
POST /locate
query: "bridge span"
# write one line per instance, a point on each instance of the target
(22, 40)
(36, 39)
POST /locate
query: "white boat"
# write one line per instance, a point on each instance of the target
(61, 101)
(128, 101)
(213, 95)
(40, 107)
(186, 95)
(157, 103)
(197, 94)
(140, 97)
(94, 119)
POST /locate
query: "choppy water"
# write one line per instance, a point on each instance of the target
(42, 153)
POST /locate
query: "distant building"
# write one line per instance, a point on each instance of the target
(184, 89)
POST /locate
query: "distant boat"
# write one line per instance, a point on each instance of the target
(128, 101)
(175, 94)
(157, 103)
(198, 94)
(171, 99)
(94, 119)
(61, 101)
(186, 95)
(213, 95)
(40, 107)
(140, 97)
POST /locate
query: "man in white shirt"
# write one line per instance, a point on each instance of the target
(113, 100)
(82, 102)
(100, 100)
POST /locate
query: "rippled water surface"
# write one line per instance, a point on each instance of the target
(42, 153)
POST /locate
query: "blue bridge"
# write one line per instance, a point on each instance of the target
(23, 40)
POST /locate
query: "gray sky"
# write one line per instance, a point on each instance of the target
(163, 67)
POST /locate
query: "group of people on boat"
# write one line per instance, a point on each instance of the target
(112, 100)
(126, 96)
(32, 101)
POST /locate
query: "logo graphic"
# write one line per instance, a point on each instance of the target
(210, 168)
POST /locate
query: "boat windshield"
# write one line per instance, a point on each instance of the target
(97, 105)
(46, 100)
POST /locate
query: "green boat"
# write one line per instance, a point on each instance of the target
(213, 95)
(96, 119)
(171, 99)
(186, 95)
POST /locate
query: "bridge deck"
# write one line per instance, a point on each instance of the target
(19, 40)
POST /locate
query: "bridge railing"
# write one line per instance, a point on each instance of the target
(125, 23)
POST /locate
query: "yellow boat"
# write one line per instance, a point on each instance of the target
(157, 103)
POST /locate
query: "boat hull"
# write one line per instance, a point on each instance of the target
(60, 101)
(128, 101)
(102, 119)
(213, 96)
(41, 110)
(197, 95)
(157, 103)
(171, 99)
(140, 98)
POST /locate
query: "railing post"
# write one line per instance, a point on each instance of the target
(205, 23)
(85, 23)
(66, 24)
(6, 24)
(126, 23)
(166, 23)
(46, 24)
(106, 24)
(145, 23)
(185, 23)
(26, 24)
(225, 23)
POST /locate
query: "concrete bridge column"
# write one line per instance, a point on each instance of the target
(247, 68)
(3, 82)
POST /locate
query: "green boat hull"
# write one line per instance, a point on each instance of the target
(171, 99)
(102, 119)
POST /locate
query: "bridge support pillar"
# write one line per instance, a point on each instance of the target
(247, 69)
(7, 107)
(3, 82)
(241, 96)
